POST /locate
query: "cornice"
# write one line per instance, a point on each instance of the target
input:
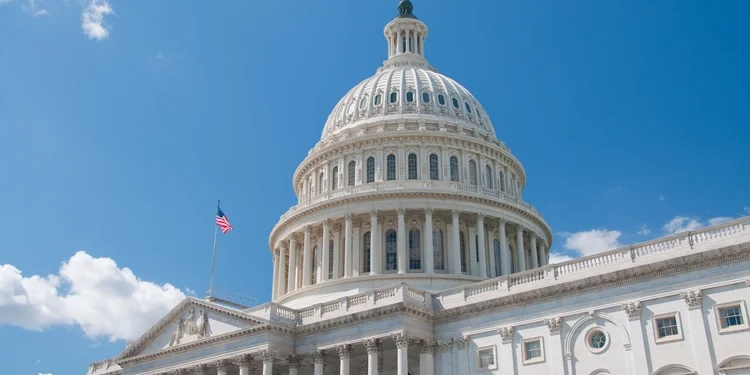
(390, 194)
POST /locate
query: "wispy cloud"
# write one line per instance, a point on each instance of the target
(613, 190)
(687, 223)
(34, 8)
(92, 19)
(643, 230)
(661, 197)
(555, 257)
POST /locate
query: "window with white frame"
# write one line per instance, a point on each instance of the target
(351, 173)
(472, 172)
(597, 340)
(486, 358)
(731, 316)
(415, 251)
(454, 169)
(370, 169)
(667, 327)
(391, 257)
(434, 168)
(366, 253)
(533, 350)
(437, 249)
(334, 178)
(412, 159)
(390, 163)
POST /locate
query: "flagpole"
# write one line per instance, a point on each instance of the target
(213, 261)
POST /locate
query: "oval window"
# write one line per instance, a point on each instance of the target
(441, 99)
(425, 97)
(455, 103)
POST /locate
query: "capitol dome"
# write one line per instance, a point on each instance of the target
(408, 184)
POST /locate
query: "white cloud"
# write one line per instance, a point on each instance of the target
(92, 19)
(34, 8)
(643, 230)
(93, 293)
(719, 220)
(747, 210)
(592, 242)
(49, 373)
(555, 257)
(686, 223)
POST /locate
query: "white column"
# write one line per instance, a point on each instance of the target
(556, 355)
(543, 254)
(372, 346)
(399, 40)
(337, 252)
(640, 364)
(694, 301)
(292, 264)
(281, 280)
(318, 361)
(275, 282)
(504, 255)
(374, 249)
(267, 357)
(222, 367)
(482, 252)
(463, 355)
(348, 246)
(520, 251)
(325, 247)
(427, 358)
(445, 357)
(344, 354)
(356, 248)
(429, 255)
(306, 259)
(456, 251)
(294, 361)
(534, 252)
(401, 243)
(402, 345)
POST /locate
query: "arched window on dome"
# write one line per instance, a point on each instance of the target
(441, 99)
(393, 97)
(330, 259)
(426, 97)
(454, 169)
(413, 166)
(498, 254)
(501, 181)
(409, 96)
(490, 182)
(391, 257)
(437, 249)
(468, 107)
(366, 252)
(363, 103)
(351, 172)
(335, 178)
(462, 243)
(390, 164)
(415, 250)
(473, 172)
(370, 169)
(378, 99)
(314, 265)
(455, 104)
(320, 183)
(434, 167)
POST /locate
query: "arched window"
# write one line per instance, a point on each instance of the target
(363, 103)
(498, 254)
(335, 178)
(462, 240)
(437, 249)
(455, 103)
(315, 265)
(378, 99)
(390, 164)
(366, 255)
(391, 257)
(394, 97)
(441, 99)
(434, 167)
(330, 259)
(409, 96)
(472, 172)
(320, 183)
(370, 169)
(454, 169)
(468, 107)
(501, 181)
(425, 97)
(490, 183)
(351, 172)
(412, 166)
(415, 250)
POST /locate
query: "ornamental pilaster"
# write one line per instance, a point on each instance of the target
(554, 325)
(632, 309)
(318, 356)
(693, 299)
(222, 365)
(244, 360)
(462, 342)
(445, 346)
(427, 346)
(402, 341)
(345, 351)
(506, 334)
(267, 355)
(294, 360)
(372, 345)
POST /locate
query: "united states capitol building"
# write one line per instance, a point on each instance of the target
(411, 251)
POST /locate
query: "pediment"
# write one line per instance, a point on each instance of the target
(190, 321)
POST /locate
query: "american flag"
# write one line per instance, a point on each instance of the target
(222, 221)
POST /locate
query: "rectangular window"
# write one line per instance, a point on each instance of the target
(533, 351)
(731, 316)
(667, 327)
(486, 358)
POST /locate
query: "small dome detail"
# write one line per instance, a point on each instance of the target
(405, 9)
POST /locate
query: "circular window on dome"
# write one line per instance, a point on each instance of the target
(455, 103)
(409, 96)
(441, 99)
(597, 340)
(425, 97)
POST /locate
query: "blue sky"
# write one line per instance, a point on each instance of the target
(122, 122)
